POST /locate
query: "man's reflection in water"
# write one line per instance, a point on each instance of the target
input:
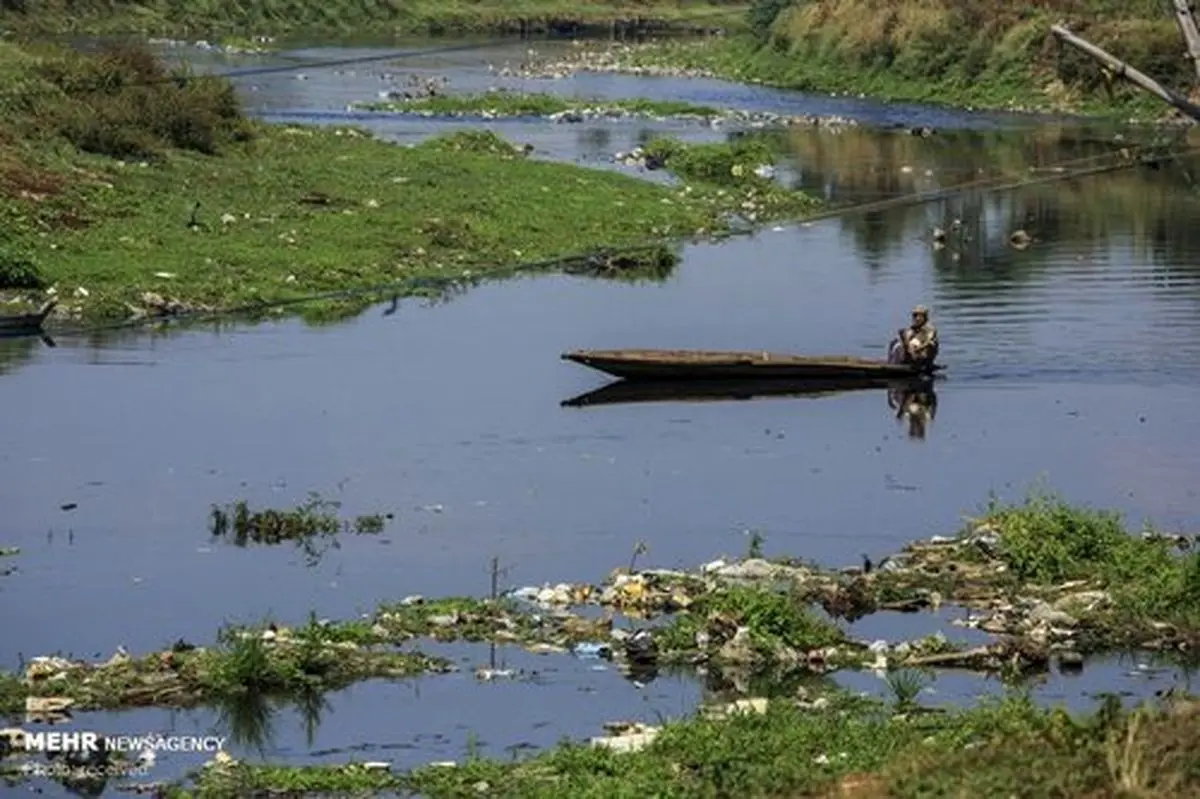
(916, 405)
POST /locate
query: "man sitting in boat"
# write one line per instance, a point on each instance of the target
(918, 343)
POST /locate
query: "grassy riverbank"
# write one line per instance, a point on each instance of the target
(831, 746)
(983, 55)
(124, 191)
(377, 17)
(518, 104)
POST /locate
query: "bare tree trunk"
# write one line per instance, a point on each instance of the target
(1187, 26)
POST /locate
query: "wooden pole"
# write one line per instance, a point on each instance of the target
(1187, 26)
(1139, 79)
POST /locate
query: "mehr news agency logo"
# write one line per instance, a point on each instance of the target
(90, 753)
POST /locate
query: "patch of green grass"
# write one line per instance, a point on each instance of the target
(464, 618)
(260, 661)
(492, 620)
(730, 162)
(241, 780)
(850, 747)
(1047, 541)
(269, 215)
(209, 18)
(513, 104)
(18, 271)
(12, 694)
(315, 657)
(1146, 752)
(370, 523)
(775, 620)
(718, 168)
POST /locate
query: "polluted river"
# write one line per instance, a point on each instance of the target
(1072, 361)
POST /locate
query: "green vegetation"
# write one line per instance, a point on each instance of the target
(210, 17)
(308, 525)
(513, 104)
(984, 55)
(776, 624)
(12, 694)
(262, 661)
(1041, 572)
(843, 746)
(135, 192)
(1150, 581)
(730, 163)
(1047, 575)
(716, 169)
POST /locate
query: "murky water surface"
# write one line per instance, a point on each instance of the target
(1076, 360)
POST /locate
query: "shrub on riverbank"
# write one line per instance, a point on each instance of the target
(121, 102)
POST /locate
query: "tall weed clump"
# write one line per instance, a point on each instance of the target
(121, 101)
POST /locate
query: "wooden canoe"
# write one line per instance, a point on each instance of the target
(621, 392)
(26, 324)
(672, 365)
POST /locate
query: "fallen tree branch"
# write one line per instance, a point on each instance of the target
(1187, 26)
(1139, 79)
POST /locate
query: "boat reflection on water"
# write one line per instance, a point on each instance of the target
(913, 399)
(914, 405)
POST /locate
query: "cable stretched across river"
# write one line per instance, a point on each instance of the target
(1120, 160)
